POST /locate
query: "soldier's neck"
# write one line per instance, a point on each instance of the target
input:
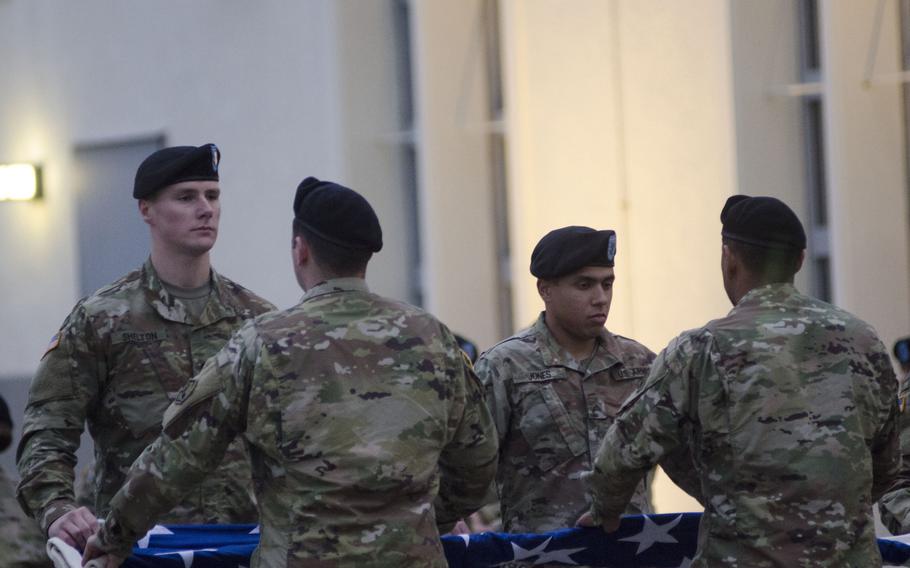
(182, 270)
(579, 347)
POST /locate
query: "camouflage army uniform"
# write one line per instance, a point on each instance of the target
(358, 412)
(894, 506)
(788, 407)
(117, 362)
(551, 413)
(21, 541)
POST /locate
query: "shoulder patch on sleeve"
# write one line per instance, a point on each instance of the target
(52, 344)
(196, 390)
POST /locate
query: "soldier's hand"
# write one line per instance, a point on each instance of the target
(93, 551)
(608, 525)
(75, 527)
(460, 528)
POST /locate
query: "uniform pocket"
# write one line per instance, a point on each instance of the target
(545, 423)
(137, 392)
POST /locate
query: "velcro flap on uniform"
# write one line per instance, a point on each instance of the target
(542, 376)
(138, 336)
(628, 373)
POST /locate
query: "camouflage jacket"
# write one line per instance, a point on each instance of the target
(894, 506)
(117, 362)
(365, 423)
(551, 413)
(788, 408)
(21, 541)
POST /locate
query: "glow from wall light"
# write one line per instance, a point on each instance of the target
(19, 182)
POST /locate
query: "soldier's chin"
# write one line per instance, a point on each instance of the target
(200, 247)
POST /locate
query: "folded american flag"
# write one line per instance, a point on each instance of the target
(642, 541)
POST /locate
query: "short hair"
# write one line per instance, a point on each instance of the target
(768, 264)
(337, 260)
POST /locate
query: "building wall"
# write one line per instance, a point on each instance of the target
(453, 165)
(867, 172)
(280, 103)
(276, 85)
(612, 125)
(637, 115)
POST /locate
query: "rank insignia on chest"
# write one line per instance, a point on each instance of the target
(902, 402)
(627, 373)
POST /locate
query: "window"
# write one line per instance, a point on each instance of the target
(818, 254)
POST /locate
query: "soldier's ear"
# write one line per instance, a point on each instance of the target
(544, 289)
(300, 250)
(143, 205)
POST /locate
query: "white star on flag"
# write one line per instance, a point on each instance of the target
(564, 555)
(187, 555)
(686, 562)
(157, 529)
(651, 532)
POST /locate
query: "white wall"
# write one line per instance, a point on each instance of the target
(272, 83)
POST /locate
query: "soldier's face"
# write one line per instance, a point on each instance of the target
(184, 217)
(580, 302)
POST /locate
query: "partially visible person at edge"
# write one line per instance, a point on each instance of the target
(21, 540)
(366, 423)
(788, 407)
(894, 505)
(124, 352)
(555, 387)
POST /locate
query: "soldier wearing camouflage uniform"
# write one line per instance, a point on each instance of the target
(554, 388)
(124, 352)
(365, 422)
(21, 541)
(787, 407)
(894, 506)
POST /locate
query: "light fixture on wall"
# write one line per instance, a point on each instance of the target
(20, 182)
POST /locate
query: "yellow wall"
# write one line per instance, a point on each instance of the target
(620, 115)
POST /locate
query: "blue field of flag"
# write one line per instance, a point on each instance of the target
(654, 541)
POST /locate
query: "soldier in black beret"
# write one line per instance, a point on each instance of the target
(365, 405)
(124, 351)
(763, 241)
(785, 403)
(555, 387)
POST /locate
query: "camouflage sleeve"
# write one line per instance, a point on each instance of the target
(497, 399)
(650, 425)
(894, 505)
(65, 386)
(198, 427)
(467, 464)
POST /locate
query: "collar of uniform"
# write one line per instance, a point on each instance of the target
(775, 292)
(332, 285)
(554, 355)
(172, 309)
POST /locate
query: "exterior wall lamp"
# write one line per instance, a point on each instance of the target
(20, 182)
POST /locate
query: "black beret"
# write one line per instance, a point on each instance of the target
(5, 418)
(175, 164)
(563, 251)
(762, 221)
(337, 214)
